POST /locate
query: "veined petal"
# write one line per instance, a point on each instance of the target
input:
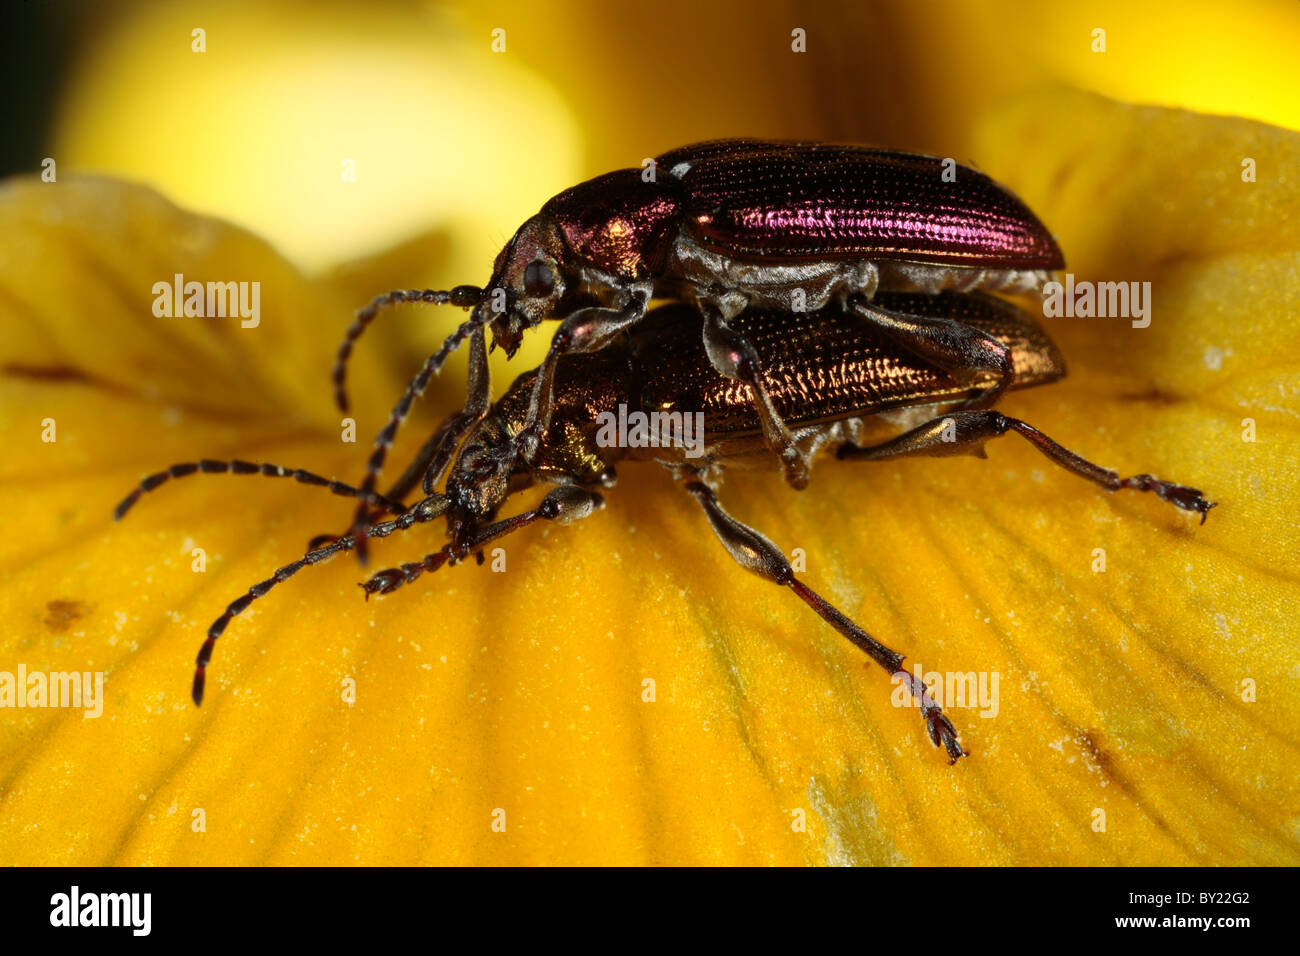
(521, 698)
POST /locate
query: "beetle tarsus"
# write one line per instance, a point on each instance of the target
(943, 733)
(382, 582)
(1181, 496)
(937, 725)
(563, 505)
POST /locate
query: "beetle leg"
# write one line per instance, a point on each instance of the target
(565, 504)
(431, 461)
(478, 402)
(733, 356)
(966, 432)
(419, 465)
(586, 330)
(961, 350)
(755, 553)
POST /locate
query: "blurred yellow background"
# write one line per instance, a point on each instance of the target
(445, 132)
(485, 690)
(460, 119)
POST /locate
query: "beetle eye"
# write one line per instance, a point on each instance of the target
(539, 280)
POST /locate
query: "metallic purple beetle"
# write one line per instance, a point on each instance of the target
(731, 225)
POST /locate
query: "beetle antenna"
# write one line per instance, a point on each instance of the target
(426, 510)
(478, 318)
(210, 467)
(465, 296)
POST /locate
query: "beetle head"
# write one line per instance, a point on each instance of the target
(480, 478)
(530, 271)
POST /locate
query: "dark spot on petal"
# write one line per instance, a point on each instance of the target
(60, 614)
(57, 373)
(1152, 396)
(1094, 755)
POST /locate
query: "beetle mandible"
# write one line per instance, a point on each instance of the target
(729, 225)
(828, 375)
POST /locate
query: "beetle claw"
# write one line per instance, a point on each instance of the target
(1189, 499)
(944, 734)
(383, 582)
(937, 725)
(1181, 496)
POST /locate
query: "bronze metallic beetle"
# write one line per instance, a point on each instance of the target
(830, 376)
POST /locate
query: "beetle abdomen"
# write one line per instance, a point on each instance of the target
(793, 201)
(827, 365)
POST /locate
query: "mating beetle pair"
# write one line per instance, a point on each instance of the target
(884, 253)
(731, 225)
(827, 375)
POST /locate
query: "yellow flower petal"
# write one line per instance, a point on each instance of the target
(329, 131)
(518, 696)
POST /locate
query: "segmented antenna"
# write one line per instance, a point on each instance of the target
(478, 318)
(209, 466)
(426, 510)
(465, 296)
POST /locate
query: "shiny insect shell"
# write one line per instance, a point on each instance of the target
(730, 226)
(829, 375)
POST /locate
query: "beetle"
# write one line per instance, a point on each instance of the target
(828, 374)
(729, 225)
